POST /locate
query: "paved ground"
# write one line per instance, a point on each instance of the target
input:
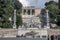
(22, 39)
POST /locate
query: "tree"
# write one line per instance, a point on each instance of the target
(43, 18)
(53, 10)
(6, 10)
(19, 21)
(17, 5)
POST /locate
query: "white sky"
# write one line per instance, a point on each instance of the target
(36, 3)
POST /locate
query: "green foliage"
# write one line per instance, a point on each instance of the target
(54, 10)
(6, 10)
(43, 17)
(58, 20)
(19, 20)
(17, 4)
(5, 13)
(6, 25)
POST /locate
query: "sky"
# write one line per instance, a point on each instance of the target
(35, 3)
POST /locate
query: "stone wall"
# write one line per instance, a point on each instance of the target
(20, 31)
(8, 32)
(54, 32)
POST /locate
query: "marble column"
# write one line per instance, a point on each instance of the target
(26, 12)
(30, 11)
